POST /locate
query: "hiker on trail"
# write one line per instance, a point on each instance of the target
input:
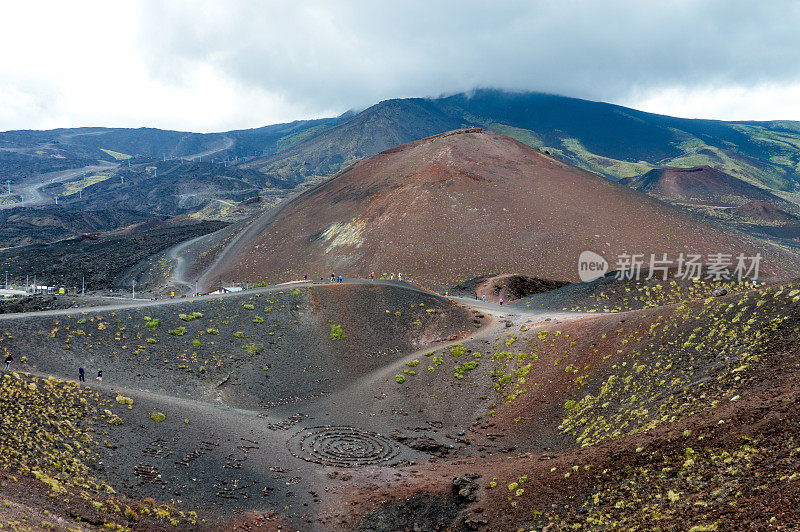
(372, 275)
(391, 276)
(305, 277)
(81, 375)
(483, 298)
(9, 360)
(476, 297)
(99, 375)
(399, 276)
(501, 301)
(332, 278)
(340, 278)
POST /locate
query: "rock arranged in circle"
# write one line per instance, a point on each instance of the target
(342, 446)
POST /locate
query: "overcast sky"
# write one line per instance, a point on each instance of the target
(227, 64)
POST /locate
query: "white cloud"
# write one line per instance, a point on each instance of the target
(210, 65)
(760, 102)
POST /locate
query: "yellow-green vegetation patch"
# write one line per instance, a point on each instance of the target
(116, 155)
(336, 332)
(73, 187)
(158, 417)
(685, 362)
(121, 399)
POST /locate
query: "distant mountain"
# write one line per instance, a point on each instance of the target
(460, 205)
(326, 150)
(607, 139)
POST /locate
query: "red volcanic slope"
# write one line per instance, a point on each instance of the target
(463, 204)
(765, 212)
(699, 185)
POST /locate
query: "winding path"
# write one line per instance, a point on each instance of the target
(31, 189)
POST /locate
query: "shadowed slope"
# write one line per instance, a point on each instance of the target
(460, 205)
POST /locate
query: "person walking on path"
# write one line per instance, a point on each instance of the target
(99, 375)
(81, 375)
(483, 298)
(399, 276)
(9, 360)
(501, 301)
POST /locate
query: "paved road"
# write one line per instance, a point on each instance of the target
(31, 189)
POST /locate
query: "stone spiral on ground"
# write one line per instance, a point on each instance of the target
(342, 446)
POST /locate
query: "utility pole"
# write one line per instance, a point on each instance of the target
(84, 177)
(196, 293)
(129, 162)
(26, 283)
(122, 177)
(165, 157)
(133, 289)
(83, 286)
(56, 200)
(8, 184)
(6, 279)
(80, 194)
(34, 283)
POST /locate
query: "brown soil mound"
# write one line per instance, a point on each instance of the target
(507, 287)
(459, 205)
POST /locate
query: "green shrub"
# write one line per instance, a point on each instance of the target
(336, 332)
(158, 417)
(152, 324)
(180, 331)
(296, 292)
(151, 341)
(400, 379)
(196, 342)
(258, 319)
(82, 321)
(457, 350)
(213, 331)
(412, 363)
(248, 306)
(121, 399)
(238, 334)
(252, 348)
